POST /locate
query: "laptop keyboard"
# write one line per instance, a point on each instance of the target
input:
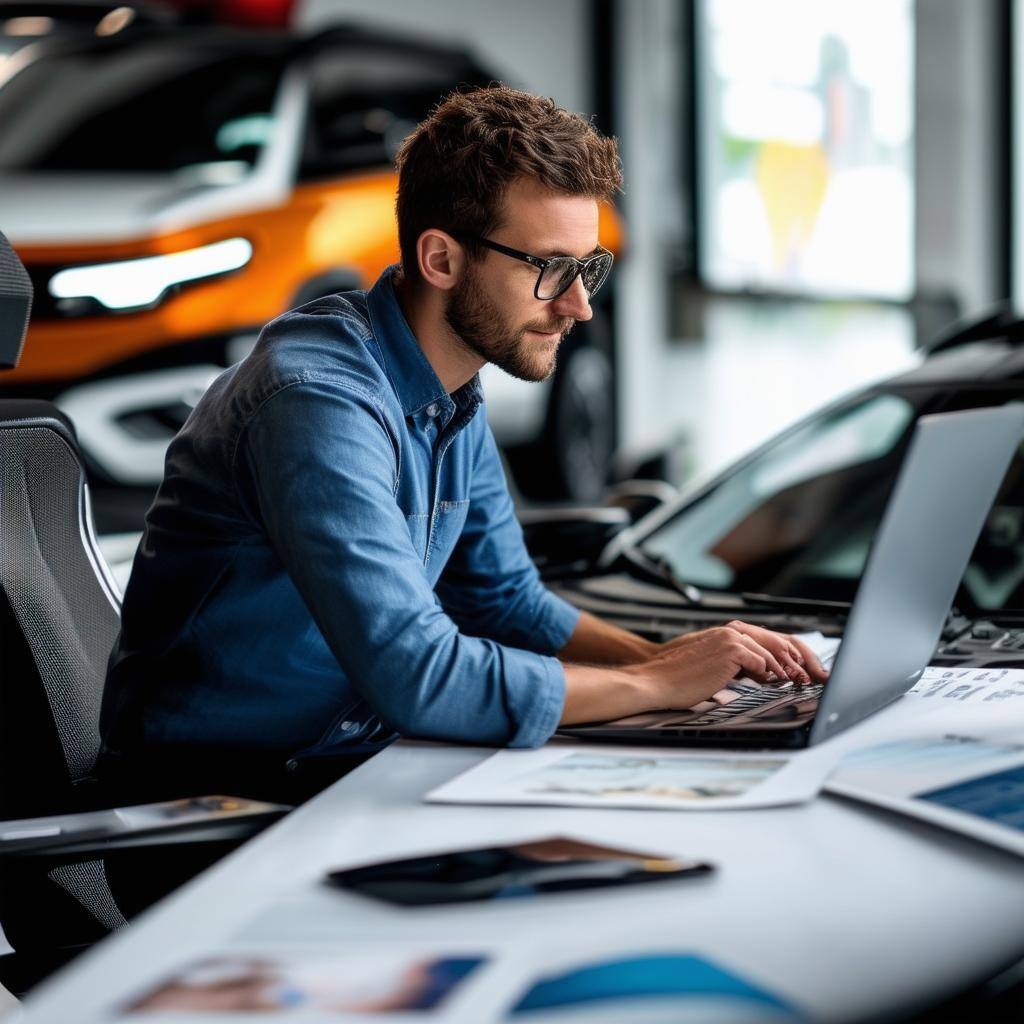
(752, 697)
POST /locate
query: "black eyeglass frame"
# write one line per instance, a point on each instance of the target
(542, 264)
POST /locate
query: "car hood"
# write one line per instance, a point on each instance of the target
(658, 612)
(64, 209)
(995, 360)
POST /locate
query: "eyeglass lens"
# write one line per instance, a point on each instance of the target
(561, 271)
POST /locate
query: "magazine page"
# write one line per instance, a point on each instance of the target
(190, 811)
(656, 986)
(648, 778)
(970, 781)
(331, 982)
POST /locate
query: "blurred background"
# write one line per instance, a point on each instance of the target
(814, 190)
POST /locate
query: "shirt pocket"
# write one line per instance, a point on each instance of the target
(419, 525)
(449, 519)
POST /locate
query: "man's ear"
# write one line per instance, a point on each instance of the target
(441, 258)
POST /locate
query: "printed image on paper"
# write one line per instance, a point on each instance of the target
(663, 987)
(607, 776)
(318, 983)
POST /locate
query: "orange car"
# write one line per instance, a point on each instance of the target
(171, 189)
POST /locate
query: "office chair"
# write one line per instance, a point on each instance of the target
(59, 618)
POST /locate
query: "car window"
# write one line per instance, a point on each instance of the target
(364, 103)
(995, 577)
(161, 107)
(796, 519)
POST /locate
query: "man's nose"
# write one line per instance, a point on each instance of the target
(574, 301)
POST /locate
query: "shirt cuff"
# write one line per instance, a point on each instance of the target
(537, 706)
(556, 621)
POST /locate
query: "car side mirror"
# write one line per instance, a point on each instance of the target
(569, 540)
(639, 497)
(565, 541)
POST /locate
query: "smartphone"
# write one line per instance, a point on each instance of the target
(556, 864)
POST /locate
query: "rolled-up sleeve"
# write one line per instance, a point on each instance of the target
(490, 585)
(325, 496)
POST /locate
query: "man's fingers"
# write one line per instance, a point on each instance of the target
(790, 654)
(795, 670)
(770, 662)
(754, 664)
(811, 661)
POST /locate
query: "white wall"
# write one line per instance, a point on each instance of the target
(534, 44)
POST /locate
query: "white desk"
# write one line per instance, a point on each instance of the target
(843, 910)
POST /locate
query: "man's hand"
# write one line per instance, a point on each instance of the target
(693, 667)
(686, 671)
(795, 659)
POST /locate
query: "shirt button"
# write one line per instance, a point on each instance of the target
(433, 409)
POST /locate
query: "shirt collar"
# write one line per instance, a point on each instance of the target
(414, 379)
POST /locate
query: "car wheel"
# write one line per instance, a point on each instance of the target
(339, 280)
(571, 460)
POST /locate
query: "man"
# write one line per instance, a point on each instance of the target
(333, 558)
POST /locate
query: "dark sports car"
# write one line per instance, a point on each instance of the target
(781, 537)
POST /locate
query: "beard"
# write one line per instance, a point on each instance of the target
(477, 322)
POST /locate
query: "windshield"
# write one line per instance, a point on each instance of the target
(161, 107)
(797, 519)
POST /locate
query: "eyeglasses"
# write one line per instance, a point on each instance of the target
(556, 274)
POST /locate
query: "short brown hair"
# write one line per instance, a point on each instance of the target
(455, 167)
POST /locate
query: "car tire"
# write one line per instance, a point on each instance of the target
(572, 459)
(331, 282)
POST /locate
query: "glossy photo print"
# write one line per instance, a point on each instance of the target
(657, 988)
(320, 984)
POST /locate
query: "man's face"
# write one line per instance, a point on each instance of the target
(492, 308)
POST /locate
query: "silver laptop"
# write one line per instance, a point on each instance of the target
(946, 485)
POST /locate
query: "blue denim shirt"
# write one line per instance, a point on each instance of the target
(333, 558)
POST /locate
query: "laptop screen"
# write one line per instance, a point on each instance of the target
(945, 488)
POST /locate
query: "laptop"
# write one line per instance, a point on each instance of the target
(946, 485)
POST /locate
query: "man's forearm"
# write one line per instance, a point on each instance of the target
(596, 642)
(599, 694)
(676, 675)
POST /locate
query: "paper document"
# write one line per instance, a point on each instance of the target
(969, 783)
(321, 983)
(993, 686)
(641, 777)
(110, 826)
(663, 987)
(944, 683)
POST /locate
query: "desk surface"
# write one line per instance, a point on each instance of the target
(842, 910)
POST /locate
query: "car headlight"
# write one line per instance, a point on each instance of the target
(129, 284)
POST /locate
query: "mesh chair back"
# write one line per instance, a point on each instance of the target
(58, 619)
(15, 305)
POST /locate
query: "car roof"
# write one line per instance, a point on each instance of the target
(989, 362)
(87, 12)
(285, 43)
